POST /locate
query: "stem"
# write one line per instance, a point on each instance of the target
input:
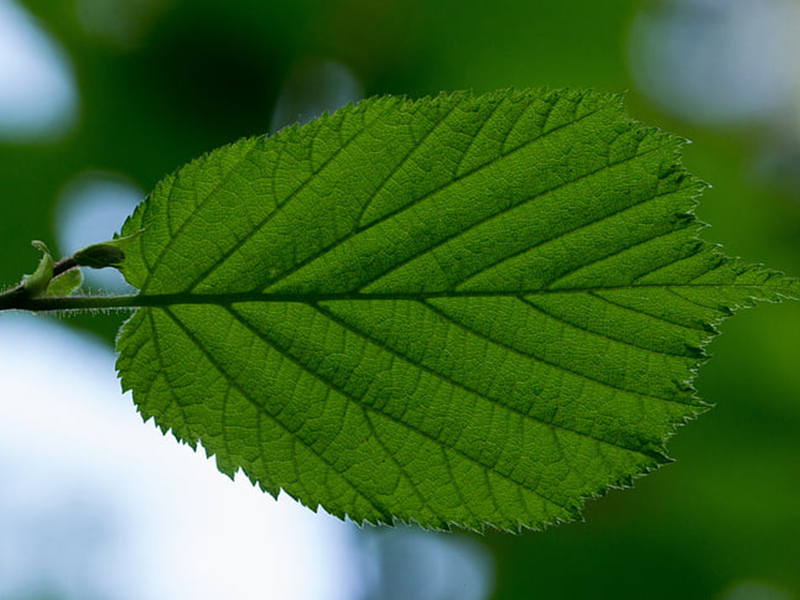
(12, 298)
(64, 265)
(19, 298)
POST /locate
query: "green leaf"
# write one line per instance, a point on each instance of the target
(35, 284)
(462, 310)
(65, 284)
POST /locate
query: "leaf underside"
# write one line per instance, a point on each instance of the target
(470, 309)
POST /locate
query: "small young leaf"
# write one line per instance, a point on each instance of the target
(36, 283)
(461, 310)
(65, 284)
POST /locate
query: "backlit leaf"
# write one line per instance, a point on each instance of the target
(466, 309)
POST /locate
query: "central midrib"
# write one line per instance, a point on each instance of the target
(168, 299)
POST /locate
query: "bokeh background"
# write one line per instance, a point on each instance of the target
(100, 98)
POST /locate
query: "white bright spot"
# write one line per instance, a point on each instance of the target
(719, 60)
(38, 96)
(91, 208)
(753, 590)
(428, 566)
(313, 87)
(96, 504)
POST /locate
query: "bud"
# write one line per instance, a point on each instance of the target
(106, 254)
(36, 283)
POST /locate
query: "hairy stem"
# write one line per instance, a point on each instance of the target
(64, 265)
(18, 299)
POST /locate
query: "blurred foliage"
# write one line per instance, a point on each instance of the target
(181, 77)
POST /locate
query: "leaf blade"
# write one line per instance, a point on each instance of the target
(462, 310)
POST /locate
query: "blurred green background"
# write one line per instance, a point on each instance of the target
(152, 84)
